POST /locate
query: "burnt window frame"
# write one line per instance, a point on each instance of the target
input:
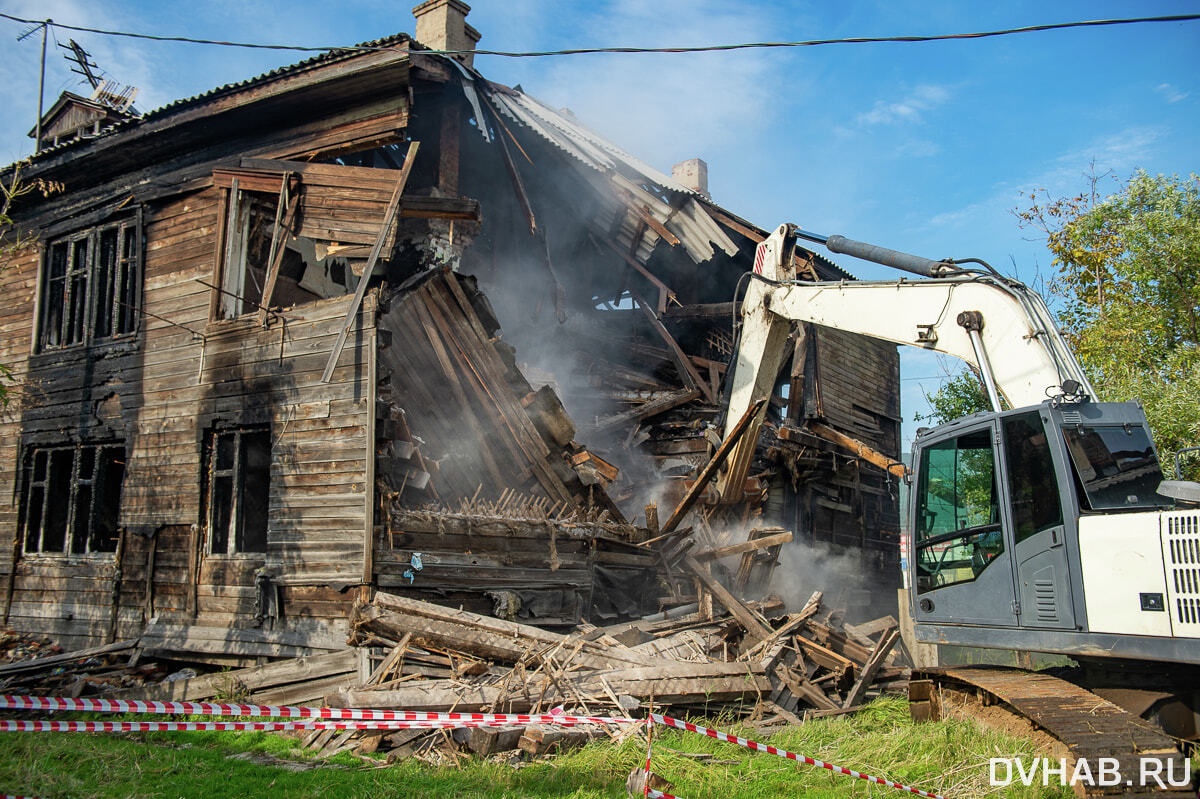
(236, 186)
(76, 542)
(111, 306)
(235, 544)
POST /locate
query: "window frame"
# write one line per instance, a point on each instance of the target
(228, 303)
(976, 542)
(95, 482)
(234, 535)
(113, 289)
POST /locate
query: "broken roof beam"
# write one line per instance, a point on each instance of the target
(859, 448)
(687, 370)
(663, 289)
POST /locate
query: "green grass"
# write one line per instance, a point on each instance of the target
(950, 757)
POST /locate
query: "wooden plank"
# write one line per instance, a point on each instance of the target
(794, 623)
(872, 665)
(711, 310)
(686, 369)
(755, 629)
(648, 409)
(718, 458)
(802, 688)
(253, 679)
(745, 546)
(67, 657)
(365, 278)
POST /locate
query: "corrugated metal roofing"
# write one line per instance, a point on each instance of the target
(700, 235)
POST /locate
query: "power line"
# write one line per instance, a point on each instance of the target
(587, 50)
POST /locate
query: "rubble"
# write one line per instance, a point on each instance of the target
(747, 660)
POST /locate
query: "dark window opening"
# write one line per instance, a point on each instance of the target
(958, 531)
(307, 269)
(72, 498)
(238, 487)
(1116, 467)
(91, 286)
(250, 230)
(1033, 483)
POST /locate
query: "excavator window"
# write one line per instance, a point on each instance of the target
(958, 512)
(1116, 467)
(1033, 484)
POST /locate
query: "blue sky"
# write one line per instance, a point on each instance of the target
(920, 147)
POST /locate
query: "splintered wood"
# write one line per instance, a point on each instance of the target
(749, 660)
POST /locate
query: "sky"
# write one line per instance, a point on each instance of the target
(926, 148)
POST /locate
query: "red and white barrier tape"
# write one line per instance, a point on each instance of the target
(771, 750)
(359, 719)
(285, 711)
(228, 726)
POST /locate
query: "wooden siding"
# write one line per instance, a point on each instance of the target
(159, 393)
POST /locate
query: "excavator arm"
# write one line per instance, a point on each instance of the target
(999, 326)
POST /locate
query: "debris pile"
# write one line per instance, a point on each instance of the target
(38, 666)
(709, 652)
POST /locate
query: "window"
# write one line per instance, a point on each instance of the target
(958, 517)
(237, 489)
(91, 286)
(72, 498)
(250, 229)
(1033, 484)
(1116, 467)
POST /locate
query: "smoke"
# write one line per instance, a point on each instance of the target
(850, 582)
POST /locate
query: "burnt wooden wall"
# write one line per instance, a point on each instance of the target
(170, 387)
(161, 391)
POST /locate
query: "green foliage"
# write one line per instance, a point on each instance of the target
(962, 395)
(1128, 287)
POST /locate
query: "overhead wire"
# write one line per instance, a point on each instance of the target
(592, 50)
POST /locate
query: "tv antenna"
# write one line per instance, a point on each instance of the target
(105, 91)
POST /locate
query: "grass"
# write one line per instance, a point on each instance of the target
(949, 757)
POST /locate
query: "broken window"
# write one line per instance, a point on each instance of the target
(265, 232)
(91, 286)
(237, 471)
(250, 229)
(72, 498)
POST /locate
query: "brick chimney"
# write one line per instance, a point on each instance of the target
(693, 173)
(442, 25)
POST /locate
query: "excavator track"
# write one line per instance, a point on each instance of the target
(1065, 720)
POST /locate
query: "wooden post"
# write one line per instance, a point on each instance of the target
(115, 603)
(148, 607)
(389, 218)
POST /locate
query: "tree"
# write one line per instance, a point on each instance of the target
(1127, 296)
(961, 395)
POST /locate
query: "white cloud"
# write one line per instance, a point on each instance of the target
(1172, 94)
(664, 108)
(911, 108)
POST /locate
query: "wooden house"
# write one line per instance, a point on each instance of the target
(372, 320)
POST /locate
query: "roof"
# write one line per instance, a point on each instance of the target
(177, 106)
(631, 178)
(695, 228)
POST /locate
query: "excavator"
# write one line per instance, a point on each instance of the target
(1043, 525)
